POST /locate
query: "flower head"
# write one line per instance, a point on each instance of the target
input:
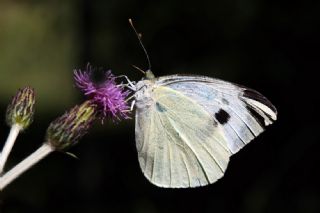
(66, 130)
(21, 109)
(109, 97)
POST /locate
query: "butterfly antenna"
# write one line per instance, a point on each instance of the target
(134, 66)
(139, 35)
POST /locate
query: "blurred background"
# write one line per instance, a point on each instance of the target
(271, 46)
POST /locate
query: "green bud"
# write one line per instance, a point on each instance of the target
(66, 130)
(21, 109)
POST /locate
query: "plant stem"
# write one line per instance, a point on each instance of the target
(15, 129)
(24, 165)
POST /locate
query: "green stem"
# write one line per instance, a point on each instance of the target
(14, 132)
(26, 164)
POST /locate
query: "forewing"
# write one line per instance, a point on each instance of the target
(179, 143)
(242, 112)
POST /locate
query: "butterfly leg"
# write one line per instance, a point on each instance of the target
(132, 102)
(131, 84)
(132, 105)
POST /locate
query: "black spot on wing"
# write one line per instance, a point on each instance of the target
(222, 116)
(225, 101)
(160, 108)
(254, 95)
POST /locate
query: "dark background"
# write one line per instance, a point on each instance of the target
(271, 46)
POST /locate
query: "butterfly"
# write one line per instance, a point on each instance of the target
(187, 127)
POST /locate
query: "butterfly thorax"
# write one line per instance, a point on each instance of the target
(144, 89)
(143, 94)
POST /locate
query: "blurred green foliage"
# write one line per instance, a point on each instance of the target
(38, 47)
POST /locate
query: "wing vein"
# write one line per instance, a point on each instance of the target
(221, 144)
(237, 134)
(187, 169)
(213, 158)
(247, 125)
(192, 150)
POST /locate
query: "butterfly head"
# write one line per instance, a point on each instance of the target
(149, 75)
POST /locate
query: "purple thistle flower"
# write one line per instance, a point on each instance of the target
(109, 97)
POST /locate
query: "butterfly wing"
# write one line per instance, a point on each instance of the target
(179, 143)
(243, 113)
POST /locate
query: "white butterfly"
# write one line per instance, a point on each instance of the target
(187, 127)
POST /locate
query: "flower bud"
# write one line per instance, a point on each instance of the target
(21, 109)
(66, 130)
